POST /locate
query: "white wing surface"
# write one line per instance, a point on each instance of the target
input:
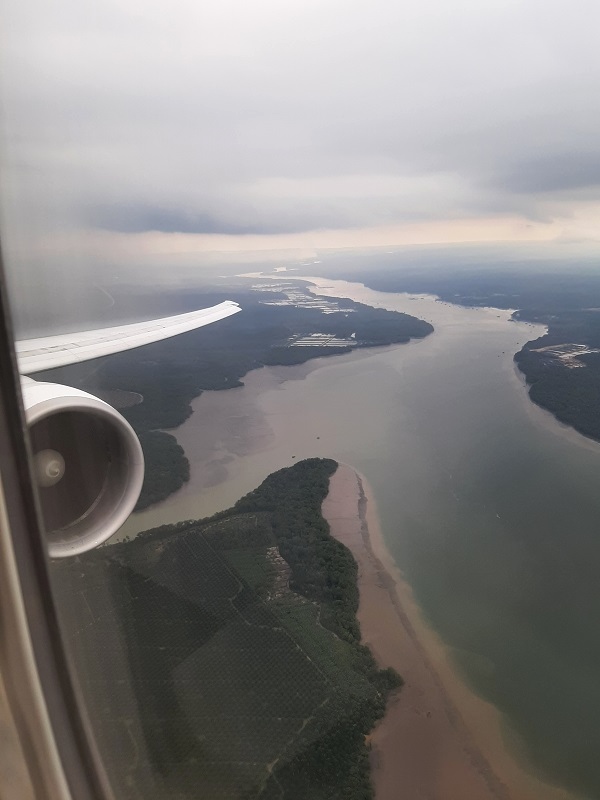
(49, 352)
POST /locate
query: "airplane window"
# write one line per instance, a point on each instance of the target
(13, 767)
(305, 299)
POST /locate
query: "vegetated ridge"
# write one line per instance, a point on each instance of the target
(225, 653)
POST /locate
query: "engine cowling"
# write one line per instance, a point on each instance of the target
(88, 465)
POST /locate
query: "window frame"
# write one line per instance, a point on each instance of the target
(41, 686)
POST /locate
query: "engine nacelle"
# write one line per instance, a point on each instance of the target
(88, 465)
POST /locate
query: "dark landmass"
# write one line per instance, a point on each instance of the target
(472, 276)
(561, 368)
(170, 374)
(222, 658)
(509, 286)
(167, 468)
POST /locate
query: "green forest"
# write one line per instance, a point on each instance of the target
(229, 650)
(167, 467)
(571, 393)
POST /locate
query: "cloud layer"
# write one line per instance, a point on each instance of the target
(271, 118)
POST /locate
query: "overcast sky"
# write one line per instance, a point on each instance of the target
(142, 129)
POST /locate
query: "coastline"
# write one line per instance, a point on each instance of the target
(546, 418)
(276, 420)
(423, 746)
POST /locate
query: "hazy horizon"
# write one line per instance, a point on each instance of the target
(137, 136)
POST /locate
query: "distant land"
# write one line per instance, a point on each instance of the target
(225, 653)
(562, 368)
(275, 328)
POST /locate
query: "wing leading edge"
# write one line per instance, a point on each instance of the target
(48, 352)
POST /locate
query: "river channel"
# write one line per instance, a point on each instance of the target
(489, 507)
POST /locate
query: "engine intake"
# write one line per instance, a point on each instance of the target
(87, 462)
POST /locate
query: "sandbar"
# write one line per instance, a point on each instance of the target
(437, 740)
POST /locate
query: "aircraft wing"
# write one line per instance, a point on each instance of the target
(48, 352)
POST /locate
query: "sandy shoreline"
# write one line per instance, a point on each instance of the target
(424, 747)
(545, 418)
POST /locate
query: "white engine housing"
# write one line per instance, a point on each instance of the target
(88, 462)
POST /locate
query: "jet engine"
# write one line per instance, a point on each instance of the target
(87, 462)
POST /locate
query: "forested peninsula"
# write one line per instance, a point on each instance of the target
(225, 653)
(561, 368)
(170, 374)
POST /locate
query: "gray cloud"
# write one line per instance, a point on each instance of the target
(559, 173)
(271, 117)
(139, 218)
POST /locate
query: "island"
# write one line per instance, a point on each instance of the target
(223, 658)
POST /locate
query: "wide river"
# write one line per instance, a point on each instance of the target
(490, 507)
